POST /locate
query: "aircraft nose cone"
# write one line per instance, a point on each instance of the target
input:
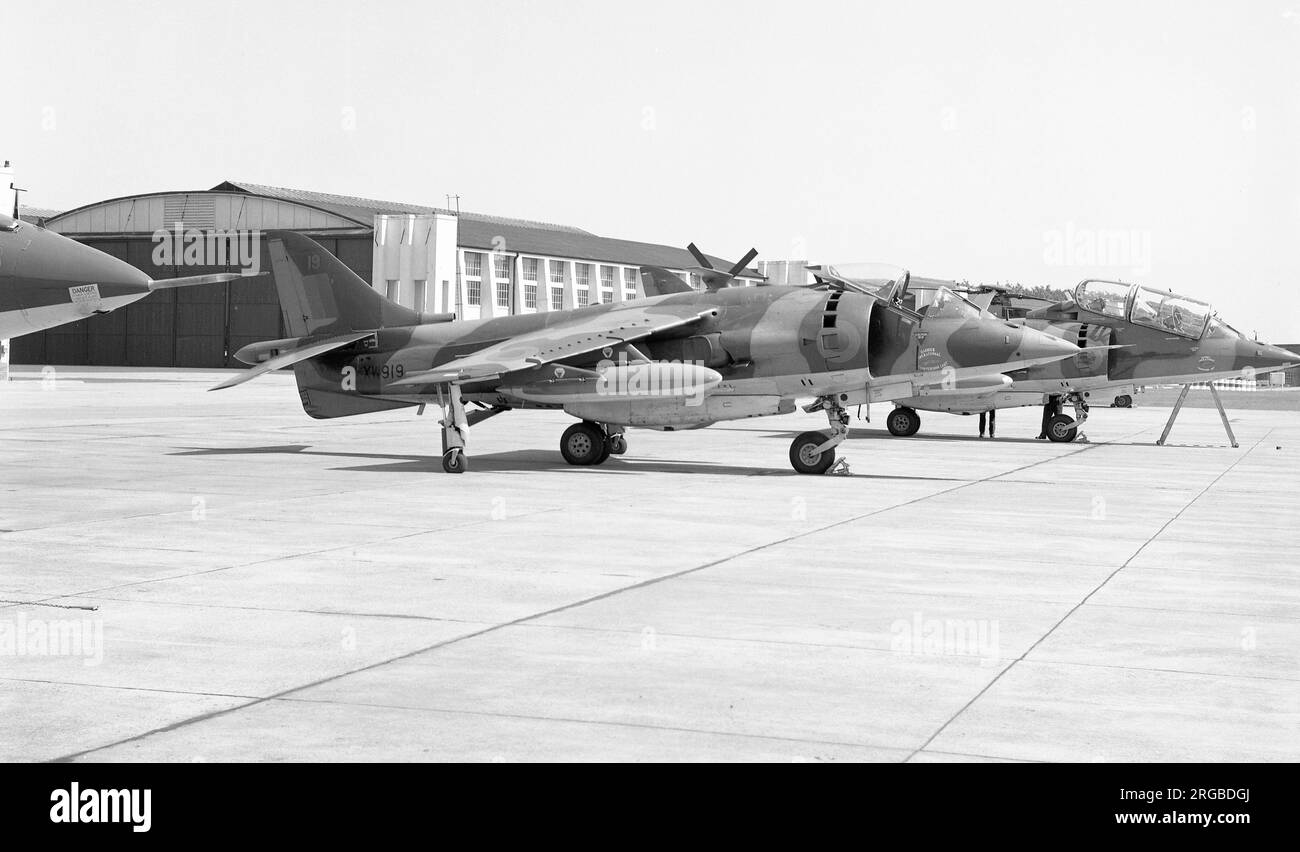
(114, 277)
(990, 342)
(1265, 356)
(1035, 344)
(56, 258)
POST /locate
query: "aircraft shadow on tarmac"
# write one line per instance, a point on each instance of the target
(507, 462)
(880, 434)
(516, 461)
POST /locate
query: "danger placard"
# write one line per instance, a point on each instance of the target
(84, 293)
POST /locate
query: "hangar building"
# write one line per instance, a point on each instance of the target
(430, 259)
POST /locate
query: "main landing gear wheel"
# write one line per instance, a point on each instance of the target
(903, 422)
(804, 456)
(1061, 429)
(454, 460)
(584, 444)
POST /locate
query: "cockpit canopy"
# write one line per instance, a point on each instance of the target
(892, 285)
(876, 279)
(1144, 306)
(946, 304)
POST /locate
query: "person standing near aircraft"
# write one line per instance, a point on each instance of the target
(992, 421)
(1051, 408)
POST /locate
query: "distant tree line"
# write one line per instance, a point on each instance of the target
(1039, 291)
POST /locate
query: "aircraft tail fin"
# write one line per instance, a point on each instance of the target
(319, 296)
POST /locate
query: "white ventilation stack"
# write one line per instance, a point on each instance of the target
(7, 193)
(414, 254)
(786, 273)
(7, 196)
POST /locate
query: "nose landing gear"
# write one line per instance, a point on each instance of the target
(814, 452)
(1062, 428)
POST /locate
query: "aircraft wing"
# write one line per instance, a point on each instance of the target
(192, 280)
(563, 340)
(293, 356)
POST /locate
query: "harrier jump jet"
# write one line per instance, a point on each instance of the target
(47, 279)
(678, 359)
(1134, 335)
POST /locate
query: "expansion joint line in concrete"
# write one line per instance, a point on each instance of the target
(203, 717)
(1088, 596)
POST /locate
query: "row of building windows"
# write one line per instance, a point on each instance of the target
(531, 270)
(503, 275)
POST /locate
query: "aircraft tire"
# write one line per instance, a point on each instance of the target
(903, 422)
(1060, 430)
(454, 460)
(584, 444)
(1123, 401)
(617, 445)
(804, 461)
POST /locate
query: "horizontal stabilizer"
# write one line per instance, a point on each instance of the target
(193, 281)
(291, 357)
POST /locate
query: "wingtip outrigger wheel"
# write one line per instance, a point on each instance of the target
(617, 442)
(455, 426)
(454, 460)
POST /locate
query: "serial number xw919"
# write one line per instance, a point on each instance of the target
(381, 371)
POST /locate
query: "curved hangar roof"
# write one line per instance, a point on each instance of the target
(238, 205)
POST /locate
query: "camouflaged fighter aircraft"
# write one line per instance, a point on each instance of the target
(1130, 336)
(678, 359)
(47, 279)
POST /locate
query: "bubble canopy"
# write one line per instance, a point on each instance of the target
(878, 279)
(1145, 306)
(948, 304)
(893, 284)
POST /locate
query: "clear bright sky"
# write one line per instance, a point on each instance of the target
(987, 141)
